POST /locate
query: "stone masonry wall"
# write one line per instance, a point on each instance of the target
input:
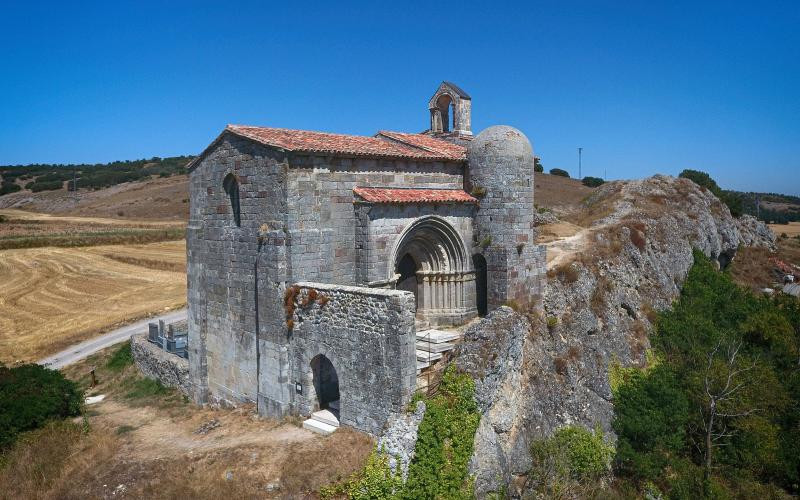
(368, 334)
(322, 221)
(221, 264)
(169, 369)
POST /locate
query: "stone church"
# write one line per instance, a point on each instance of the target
(315, 260)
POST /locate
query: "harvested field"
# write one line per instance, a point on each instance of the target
(791, 229)
(51, 298)
(20, 229)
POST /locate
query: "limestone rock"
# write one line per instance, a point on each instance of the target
(537, 373)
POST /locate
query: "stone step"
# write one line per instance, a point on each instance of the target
(319, 427)
(421, 365)
(428, 356)
(431, 347)
(326, 417)
(438, 336)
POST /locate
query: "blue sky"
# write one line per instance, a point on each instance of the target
(643, 87)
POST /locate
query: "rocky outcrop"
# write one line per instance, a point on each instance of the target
(400, 437)
(538, 371)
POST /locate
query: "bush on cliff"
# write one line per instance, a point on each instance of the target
(442, 452)
(719, 413)
(570, 463)
(30, 396)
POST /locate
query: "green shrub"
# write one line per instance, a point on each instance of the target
(375, 481)
(592, 181)
(45, 186)
(537, 165)
(569, 463)
(559, 172)
(30, 396)
(121, 358)
(146, 388)
(8, 187)
(445, 439)
(651, 412)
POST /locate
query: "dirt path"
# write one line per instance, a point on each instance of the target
(156, 435)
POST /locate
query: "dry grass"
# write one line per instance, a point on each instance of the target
(150, 447)
(792, 229)
(51, 298)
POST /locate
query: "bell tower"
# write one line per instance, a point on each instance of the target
(450, 109)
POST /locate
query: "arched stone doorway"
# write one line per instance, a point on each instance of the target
(407, 269)
(326, 383)
(443, 276)
(481, 295)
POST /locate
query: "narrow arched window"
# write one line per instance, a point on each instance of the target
(231, 186)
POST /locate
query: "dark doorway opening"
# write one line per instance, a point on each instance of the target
(479, 262)
(407, 269)
(326, 384)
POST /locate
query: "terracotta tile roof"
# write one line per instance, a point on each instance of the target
(400, 195)
(427, 143)
(411, 146)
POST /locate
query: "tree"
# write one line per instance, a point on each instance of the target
(559, 172)
(723, 382)
(537, 164)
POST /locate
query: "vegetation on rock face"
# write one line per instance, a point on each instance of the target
(32, 395)
(569, 464)
(718, 414)
(559, 172)
(442, 452)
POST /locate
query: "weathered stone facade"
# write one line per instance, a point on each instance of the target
(270, 208)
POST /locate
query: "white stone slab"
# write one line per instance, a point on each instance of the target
(326, 417)
(438, 336)
(428, 356)
(421, 365)
(319, 427)
(431, 347)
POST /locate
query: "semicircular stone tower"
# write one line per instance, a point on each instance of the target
(501, 174)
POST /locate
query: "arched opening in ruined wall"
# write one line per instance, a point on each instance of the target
(444, 275)
(481, 292)
(326, 384)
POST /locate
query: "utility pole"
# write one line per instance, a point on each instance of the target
(580, 175)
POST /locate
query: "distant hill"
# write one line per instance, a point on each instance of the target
(775, 208)
(52, 177)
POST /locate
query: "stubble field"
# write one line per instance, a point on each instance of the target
(51, 298)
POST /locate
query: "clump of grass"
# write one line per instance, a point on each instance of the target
(568, 273)
(121, 358)
(146, 388)
(552, 321)
(124, 429)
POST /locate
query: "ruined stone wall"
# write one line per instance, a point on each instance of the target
(369, 336)
(155, 363)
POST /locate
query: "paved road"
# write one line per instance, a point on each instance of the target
(91, 346)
